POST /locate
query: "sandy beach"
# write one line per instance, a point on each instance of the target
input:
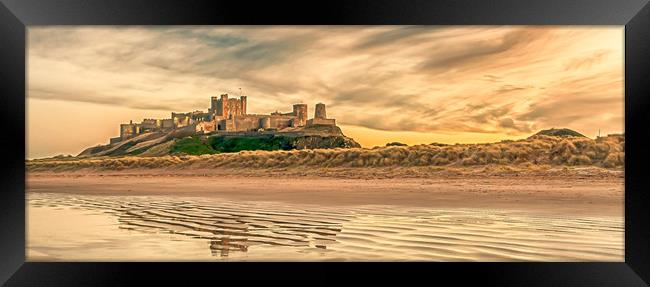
(327, 214)
(573, 194)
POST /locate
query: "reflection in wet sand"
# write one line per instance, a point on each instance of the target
(276, 231)
(222, 246)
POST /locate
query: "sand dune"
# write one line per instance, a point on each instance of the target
(533, 153)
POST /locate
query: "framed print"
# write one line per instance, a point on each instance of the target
(370, 138)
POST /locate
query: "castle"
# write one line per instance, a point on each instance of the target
(227, 115)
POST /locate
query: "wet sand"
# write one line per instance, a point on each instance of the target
(540, 194)
(159, 215)
(72, 227)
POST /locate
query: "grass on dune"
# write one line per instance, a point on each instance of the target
(607, 152)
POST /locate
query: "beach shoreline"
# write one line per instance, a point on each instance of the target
(574, 193)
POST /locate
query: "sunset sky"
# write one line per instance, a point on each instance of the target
(412, 84)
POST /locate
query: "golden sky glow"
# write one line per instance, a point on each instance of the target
(412, 84)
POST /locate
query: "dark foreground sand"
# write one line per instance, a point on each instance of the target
(574, 194)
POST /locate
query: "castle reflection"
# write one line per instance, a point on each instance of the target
(231, 229)
(221, 247)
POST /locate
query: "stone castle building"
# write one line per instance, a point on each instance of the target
(227, 115)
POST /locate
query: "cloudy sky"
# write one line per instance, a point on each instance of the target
(413, 84)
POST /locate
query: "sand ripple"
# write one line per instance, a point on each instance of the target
(278, 231)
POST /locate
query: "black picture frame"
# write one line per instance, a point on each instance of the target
(16, 15)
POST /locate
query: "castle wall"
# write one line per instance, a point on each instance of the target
(127, 130)
(148, 125)
(229, 124)
(254, 122)
(247, 123)
(166, 124)
(181, 119)
(281, 122)
(317, 121)
(206, 127)
(199, 116)
(150, 122)
(265, 123)
(114, 140)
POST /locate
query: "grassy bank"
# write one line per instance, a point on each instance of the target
(197, 145)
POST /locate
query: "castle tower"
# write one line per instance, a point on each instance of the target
(243, 104)
(300, 111)
(224, 105)
(214, 103)
(320, 111)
